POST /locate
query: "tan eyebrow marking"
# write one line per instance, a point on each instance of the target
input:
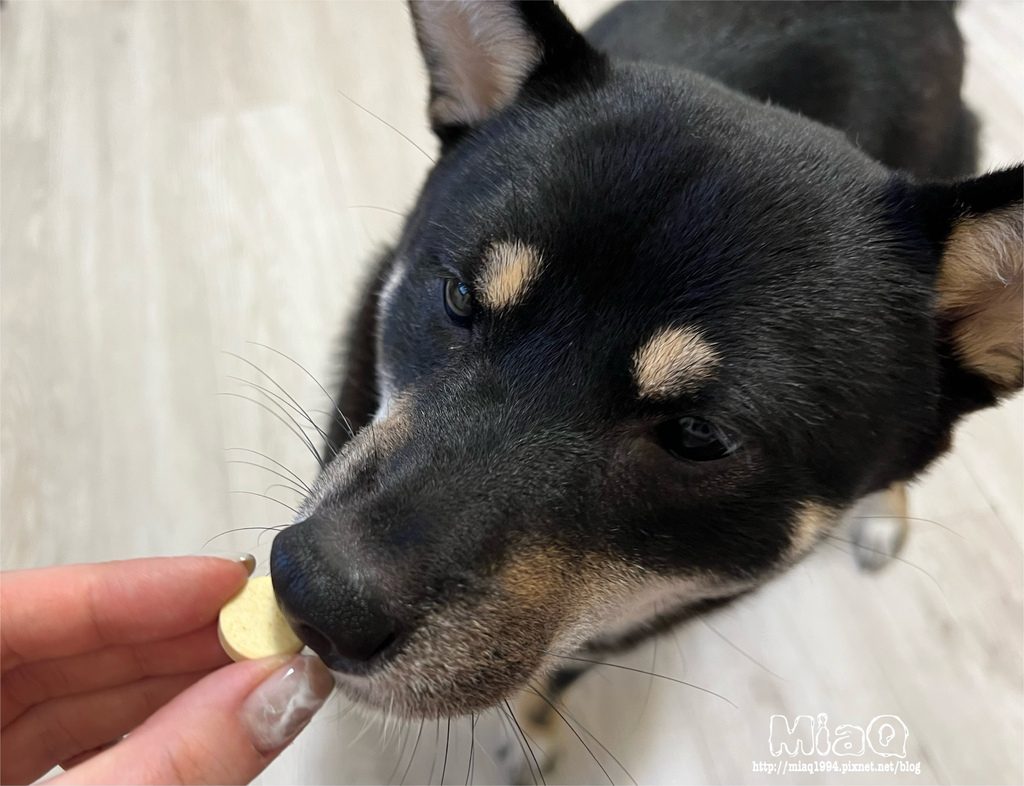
(507, 273)
(671, 361)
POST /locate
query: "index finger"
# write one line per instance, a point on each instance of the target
(68, 610)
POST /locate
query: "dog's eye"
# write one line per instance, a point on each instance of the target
(696, 439)
(458, 301)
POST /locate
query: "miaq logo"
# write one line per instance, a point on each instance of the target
(885, 735)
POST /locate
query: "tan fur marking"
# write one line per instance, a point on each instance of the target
(508, 271)
(896, 500)
(545, 600)
(387, 435)
(532, 578)
(811, 522)
(671, 361)
(480, 53)
(565, 592)
(381, 437)
(371, 445)
(591, 595)
(981, 293)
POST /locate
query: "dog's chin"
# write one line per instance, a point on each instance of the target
(473, 656)
(412, 696)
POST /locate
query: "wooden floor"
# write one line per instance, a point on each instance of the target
(185, 182)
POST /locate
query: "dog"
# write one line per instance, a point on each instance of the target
(678, 293)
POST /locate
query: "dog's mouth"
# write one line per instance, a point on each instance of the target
(467, 652)
(454, 665)
(474, 652)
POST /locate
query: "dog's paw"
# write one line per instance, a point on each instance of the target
(879, 528)
(544, 734)
(876, 541)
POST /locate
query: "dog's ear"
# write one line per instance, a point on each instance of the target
(980, 281)
(480, 54)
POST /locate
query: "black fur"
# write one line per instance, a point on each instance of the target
(886, 73)
(657, 196)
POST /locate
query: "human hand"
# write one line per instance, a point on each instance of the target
(89, 653)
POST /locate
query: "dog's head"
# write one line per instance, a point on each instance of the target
(640, 343)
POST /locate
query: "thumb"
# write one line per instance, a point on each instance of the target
(225, 729)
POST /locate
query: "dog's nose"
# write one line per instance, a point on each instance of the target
(328, 602)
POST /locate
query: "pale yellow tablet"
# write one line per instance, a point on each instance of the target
(251, 625)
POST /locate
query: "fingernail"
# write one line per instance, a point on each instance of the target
(283, 703)
(248, 560)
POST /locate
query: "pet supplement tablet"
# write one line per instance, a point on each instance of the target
(251, 625)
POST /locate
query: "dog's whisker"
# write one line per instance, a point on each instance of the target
(533, 756)
(479, 746)
(286, 486)
(278, 528)
(447, 742)
(285, 406)
(394, 721)
(342, 712)
(281, 388)
(322, 717)
(586, 731)
(383, 718)
(291, 483)
(517, 736)
(362, 731)
(982, 489)
(737, 648)
(283, 403)
(472, 746)
(437, 745)
(270, 393)
(380, 722)
(398, 759)
(650, 682)
(302, 437)
(344, 420)
(597, 761)
(914, 518)
(885, 554)
(506, 729)
(238, 529)
(276, 463)
(641, 671)
(415, 747)
(385, 122)
(264, 496)
(377, 207)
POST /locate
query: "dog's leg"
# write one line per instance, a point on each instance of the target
(547, 733)
(879, 527)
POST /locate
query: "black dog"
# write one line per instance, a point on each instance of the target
(676, 295)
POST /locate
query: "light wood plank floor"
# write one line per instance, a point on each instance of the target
(181, 179)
